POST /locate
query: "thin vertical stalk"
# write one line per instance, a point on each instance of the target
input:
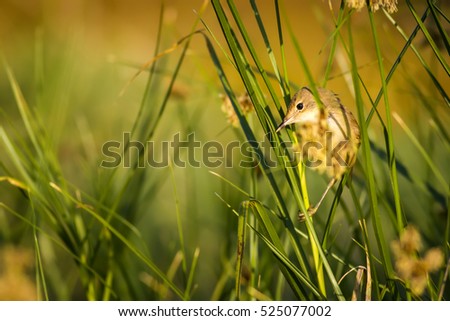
(389, 134)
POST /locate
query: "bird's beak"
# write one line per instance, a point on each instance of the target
(281, 126)
(286, 121)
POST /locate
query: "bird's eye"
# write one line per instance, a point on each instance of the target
(299, 106)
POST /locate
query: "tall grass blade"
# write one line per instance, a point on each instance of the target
(430, 40)
(389, 134)
(241, 240)
(123, 239)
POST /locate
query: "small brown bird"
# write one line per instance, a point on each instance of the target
(330, 135)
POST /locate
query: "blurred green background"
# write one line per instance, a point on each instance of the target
(75, 63)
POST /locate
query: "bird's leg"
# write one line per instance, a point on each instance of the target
(313, 209)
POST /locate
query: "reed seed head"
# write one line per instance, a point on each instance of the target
(375, 5)
(410, 267)
(245, 104)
